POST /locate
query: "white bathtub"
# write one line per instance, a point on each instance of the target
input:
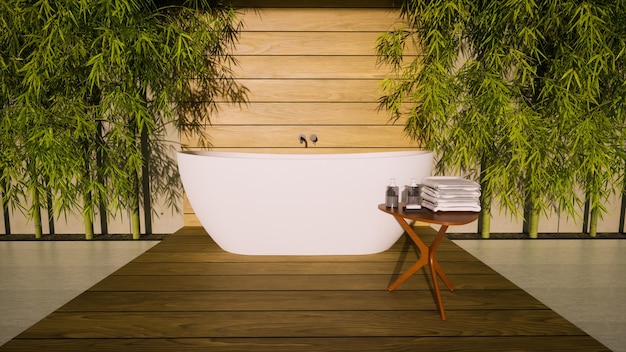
(298, 204)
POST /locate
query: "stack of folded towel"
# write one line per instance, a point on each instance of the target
(450, 193)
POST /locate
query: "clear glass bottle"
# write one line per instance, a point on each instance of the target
(392, 194)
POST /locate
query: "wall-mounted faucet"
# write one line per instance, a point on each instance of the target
(302, 139)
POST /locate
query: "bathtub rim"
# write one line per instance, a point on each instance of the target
(304, 156)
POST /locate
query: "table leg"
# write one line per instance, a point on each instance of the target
(435, 270)
(423, 259)
(427, 257)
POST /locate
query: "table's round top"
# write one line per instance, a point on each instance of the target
(426, 215)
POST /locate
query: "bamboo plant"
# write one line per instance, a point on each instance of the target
(525, 96)
(97, 83)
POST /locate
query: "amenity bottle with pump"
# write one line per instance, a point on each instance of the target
(413, 196)
(391, 197)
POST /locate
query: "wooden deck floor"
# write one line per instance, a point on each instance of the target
(186, 294)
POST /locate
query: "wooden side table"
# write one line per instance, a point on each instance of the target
(427, 253)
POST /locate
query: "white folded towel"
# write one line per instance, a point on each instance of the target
(450, 183)
(460, 201)
(435, 193)
(437, 207)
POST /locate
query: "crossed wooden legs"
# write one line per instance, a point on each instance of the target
(427, 257)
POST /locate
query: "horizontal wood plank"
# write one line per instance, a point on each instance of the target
(193, 324)
(319, 19)
(335, 114)
(316, 282)
(313, 91)
(313, 3)
(309, 43)
(193, 243)
(198, 236)
(390, 136)
(311, 268)
(345, 300)
(311, 67)
(216, 257)
(319, 344)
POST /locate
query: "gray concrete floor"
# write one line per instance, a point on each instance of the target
(36, 278)
(583, 280)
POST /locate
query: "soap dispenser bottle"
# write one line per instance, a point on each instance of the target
(391, 196)
(413, 196)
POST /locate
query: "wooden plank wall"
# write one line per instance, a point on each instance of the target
(309, 71)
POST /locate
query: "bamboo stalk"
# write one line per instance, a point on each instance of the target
(533, 223)
(37, 214)
(593, 223)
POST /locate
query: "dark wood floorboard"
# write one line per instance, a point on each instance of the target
(186, 294)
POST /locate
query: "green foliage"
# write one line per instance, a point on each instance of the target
(83, 80)
(525, 95)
